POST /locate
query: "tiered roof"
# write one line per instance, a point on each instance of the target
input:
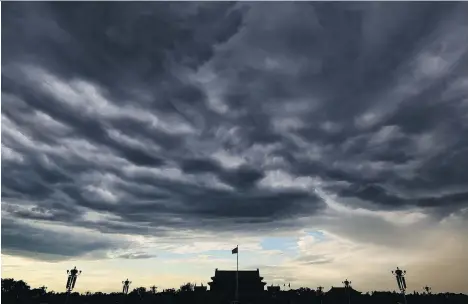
(244, 275)
(341, 291)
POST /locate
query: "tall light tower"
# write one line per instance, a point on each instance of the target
(71, 280)
(427, 289)
(126, 285)
(347, 286)
(400, 277)
(72, 275)
(153, 289)
(320, 293)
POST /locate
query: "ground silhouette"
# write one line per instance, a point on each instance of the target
(14, 291)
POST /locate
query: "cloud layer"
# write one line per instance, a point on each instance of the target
(169, 124)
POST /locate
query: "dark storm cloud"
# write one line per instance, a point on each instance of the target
(132, 46)
(27, 240)
(241, 177)
(211, 116)
(53, 211)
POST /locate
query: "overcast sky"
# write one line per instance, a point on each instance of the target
(146, 140)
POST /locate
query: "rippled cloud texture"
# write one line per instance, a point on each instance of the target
(146, 140)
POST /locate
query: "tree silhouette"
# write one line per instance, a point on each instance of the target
(169, 291)
(139, 291)
(20, 293)
(187, 287)
(14, 287)
(304, 290)
(7, 285)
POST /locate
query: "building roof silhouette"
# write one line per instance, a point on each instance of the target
(244, 275)
(341, 291)
(250, 283)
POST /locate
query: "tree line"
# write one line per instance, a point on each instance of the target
(14, 291)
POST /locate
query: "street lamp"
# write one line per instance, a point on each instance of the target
(71, 280)
(126, 285)
(427, 289)
(347, 285)
(400, 277)
(72, 275)
(320, 293)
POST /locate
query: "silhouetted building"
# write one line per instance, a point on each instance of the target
(342, 292)
(250, 283)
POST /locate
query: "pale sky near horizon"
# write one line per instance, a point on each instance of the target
(146, 140)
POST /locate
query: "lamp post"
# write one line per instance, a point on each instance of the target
(347, 286)
(400, 277)
(72, 275)
(320, 293)
(126, 285)
(427, 289)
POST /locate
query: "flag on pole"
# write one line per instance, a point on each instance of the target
(235, 250)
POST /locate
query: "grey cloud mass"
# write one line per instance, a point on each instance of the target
(226, 116)
(45, 244)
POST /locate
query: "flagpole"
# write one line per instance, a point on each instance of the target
(237, 275)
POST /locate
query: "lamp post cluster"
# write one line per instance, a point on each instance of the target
(427, 289)
(72, 275)
(347, 286)
(320, 293)
(401, 281)
(126, 285)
